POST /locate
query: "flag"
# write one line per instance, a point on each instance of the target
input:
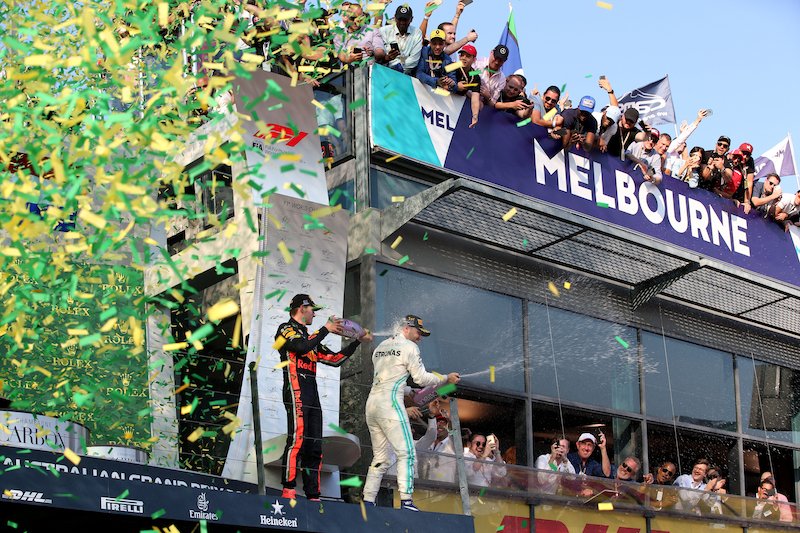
(654, 102)
(513, 64)
(778, 159)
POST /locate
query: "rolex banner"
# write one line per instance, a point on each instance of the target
(411, 120)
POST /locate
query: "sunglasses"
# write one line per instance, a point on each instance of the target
(626, 467)
(724, 145)
(479, 444)
(773, 183)
(667, 471)
(548, 99)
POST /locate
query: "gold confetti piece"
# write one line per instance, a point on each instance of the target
(318, 104)
(90, 218)
(552, 288)
(42, 60)
(71, 331)
(279, 342)
(43, 371)
(605, 5)
(376, 7)
(397, 199)
(491, 374)
(390, 159)
(163, 14)
(196, 434)
(510, 213)
(150, 241)
(397, 242)
(281, 365)
(453, 66)
(175, 346)
(237, 331)
(325, 211)
(363, 510)
(290, 157)
(186, 409)
(567, 285)
(275, 221)
(11, 252)
(181, 388)
(287, 256)
(605, 506)
(222, 310)
(292, 503)
(71, 456)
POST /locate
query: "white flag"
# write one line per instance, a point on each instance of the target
(777, 159)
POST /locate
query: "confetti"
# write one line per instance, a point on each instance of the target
(588, 76)
(524, 122)
(71, 456)
(390, 159)
(281, 364)
(605, 506)
(425, 237)
(510, 213)
(441, 91)
(292, 503)
(604, 5)
(491, 374)
(470, 152)
(278, 344)
(403, 260)
(397, 242)
(553, 289)
(337, 429)
(158, 514)
(453, 66)
(622, 342)
(287, 256)
(567, 285)
(222, 310)
(196, 434)
(383, 272)
(304, 261)
(397, 199)
(602, 204)
(354, 481)
(363, 510)
(446, 389)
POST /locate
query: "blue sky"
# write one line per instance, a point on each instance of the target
(739, 58)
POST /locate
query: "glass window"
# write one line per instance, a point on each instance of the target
(596, 361)
(771, 403)
(777, 460)
(471, 329)
(384, 186)
(701, 382)
(623, 435)
(344, 194)
(332, 118)
(684, 446)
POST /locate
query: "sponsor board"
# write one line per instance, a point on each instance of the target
(277, 518)
(121, 505)
(202, 512)
(25, 496)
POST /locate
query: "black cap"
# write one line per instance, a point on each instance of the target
(415, 322)
(501, 52)
(631, 115)
(724, 138)
(403, 12)
(300, 300)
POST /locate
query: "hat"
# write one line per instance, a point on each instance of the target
(415, 322)
(468, 49)
(631, 115)
(500, 52)
(403, 12)
(746, 147)
(613, 113)
(300, 300)
(587, 436)
(586, 104)
(725, 139)
(655, 133)
(440, 416)
(737, 153)
(438, 34)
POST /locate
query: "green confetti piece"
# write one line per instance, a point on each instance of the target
(354, 481)
(384, 272)
(446, 389)
(622, 342)
(308, 172)
(403, 260)
(108, 313)
(524, 524)
(337, 429)
(588, 76)
(390, 130)
(275, 293)
(563, 87)
(304, 261)
(355, 104)
(524, 122)
(271, 448)
(89, 339)
(602, 204)
(474, 72)
(501, 528)
(203, 526)
(202, 332)
(335, 197)
(298, 190)
(482, 492)
(287, 168)
(524, 242)
(370, 251)
(425, 237)
(12, 524)
(469, 154)
(124, 494)
(158, 514)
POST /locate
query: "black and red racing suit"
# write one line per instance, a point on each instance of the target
(300, 397)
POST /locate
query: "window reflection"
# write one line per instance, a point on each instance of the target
(385, 186)
(770, 404)
(700, 380)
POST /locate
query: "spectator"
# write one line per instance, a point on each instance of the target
(607, 125)
(433, 63)
(512, 98)
(492, 78)
(767, 508)
(404, 41)
(646, 157)
(675, 161)
(582, 461)
(433, 465)
(690, 170)
(713, 163)
(449, 28)
(747, 168)
(466, 437)
(716, 484)
(687, 130)
(766, 193)
(483, 451)
(783, 502)
(732, 176)
(545, 108)
(787, 209)
(626, 131)
(556, 461)
(361, 42)
(467, 84)
(579, 126)
(689, 500)
(664, 476)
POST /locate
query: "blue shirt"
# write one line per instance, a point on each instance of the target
(592, 468)
(431, 68)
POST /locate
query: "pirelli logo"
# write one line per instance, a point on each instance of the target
(122, 505)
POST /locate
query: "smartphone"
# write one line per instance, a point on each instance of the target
(395, 47)
(709, 112)
(490, 439)
(357, 50)
(602, 76)
(643, 125)
(466, 2)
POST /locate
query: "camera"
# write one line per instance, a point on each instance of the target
(772, 492)
(394, 47)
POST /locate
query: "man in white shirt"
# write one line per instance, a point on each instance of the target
(483, 451)
(434, 466)
(492, 78)
(394, 360)
(788, 207)
(555, 461)
(403, 41)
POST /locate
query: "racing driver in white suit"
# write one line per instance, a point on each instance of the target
(394, 360)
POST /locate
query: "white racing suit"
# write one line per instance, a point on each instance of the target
(393, 360)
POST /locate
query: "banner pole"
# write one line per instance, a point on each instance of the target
(794, 161)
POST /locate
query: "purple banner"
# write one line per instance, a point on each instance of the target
(527, 160)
